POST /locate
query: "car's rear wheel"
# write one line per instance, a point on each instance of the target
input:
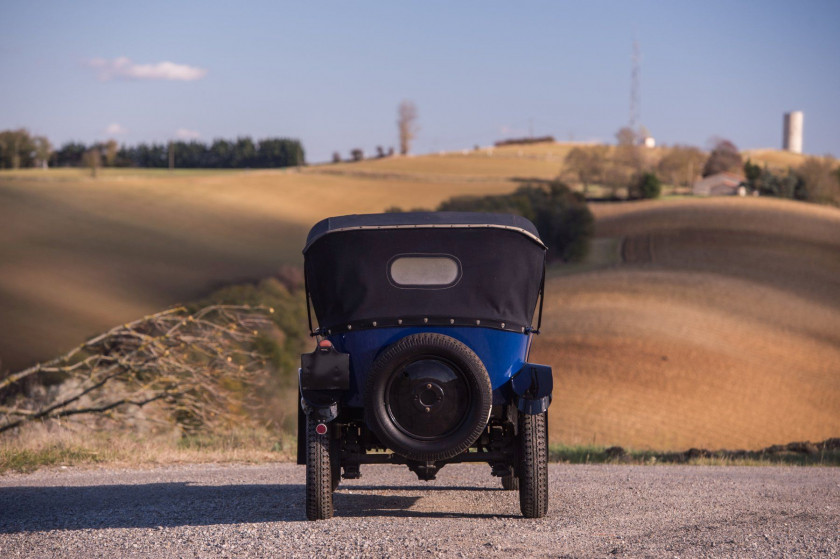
(335, 462)
(532, 464)
(510, 483)
(319, 473)
(428, 397)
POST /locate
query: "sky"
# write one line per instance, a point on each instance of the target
(332, 74)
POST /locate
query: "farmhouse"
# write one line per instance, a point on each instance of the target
(720, 184)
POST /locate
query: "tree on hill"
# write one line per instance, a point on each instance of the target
(279, 152)
(110, 151)
(752, 174)
(17, 149)
(681, 165)
(626, 136)
(43, 151)
(628, 159)
(815, 180)
(93, 160)
(820, 180)
(244, 153)
(587, 164)
(724, 157)
(406, 125)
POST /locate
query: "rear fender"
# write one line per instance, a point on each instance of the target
(323, 376)
(324, 412)
(532, 387)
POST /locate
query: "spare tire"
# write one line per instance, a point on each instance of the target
(428, 397)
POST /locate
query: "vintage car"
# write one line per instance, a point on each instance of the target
(424, 329)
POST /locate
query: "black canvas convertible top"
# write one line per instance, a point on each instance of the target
(419, 220)
(359, 270)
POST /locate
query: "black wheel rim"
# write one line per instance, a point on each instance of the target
(428, 398)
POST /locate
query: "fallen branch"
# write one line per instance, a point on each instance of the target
(194, 364)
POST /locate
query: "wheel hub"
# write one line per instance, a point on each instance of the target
(428, 398)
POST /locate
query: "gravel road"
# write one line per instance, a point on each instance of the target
(257, 511)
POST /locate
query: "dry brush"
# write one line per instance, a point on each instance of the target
(198, 367)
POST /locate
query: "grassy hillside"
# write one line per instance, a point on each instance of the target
(78, 254)
(775, 159)
(716, 325)
(696, 323)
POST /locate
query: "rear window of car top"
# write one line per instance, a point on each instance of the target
(424, 271)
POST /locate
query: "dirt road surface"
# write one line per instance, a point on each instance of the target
(257, 511)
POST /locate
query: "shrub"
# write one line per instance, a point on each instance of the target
(820, 180)
(562, 217)
(524, 141)
(645, 186)
(752, 172)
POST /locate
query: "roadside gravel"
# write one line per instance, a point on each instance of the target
(257, 511)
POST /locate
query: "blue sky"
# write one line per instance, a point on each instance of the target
(332, 74)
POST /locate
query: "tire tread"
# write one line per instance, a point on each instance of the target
(432, 340)
(533, 465)
(319, 498)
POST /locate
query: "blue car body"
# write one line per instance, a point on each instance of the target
(424, 327)
(503, 354)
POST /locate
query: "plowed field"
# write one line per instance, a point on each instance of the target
(720, 327)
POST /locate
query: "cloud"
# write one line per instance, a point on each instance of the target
(124, 68)
(115, 129)
(186, 134)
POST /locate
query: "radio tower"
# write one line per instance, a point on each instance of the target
(634, 87)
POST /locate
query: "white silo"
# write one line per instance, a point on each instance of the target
(792, 139)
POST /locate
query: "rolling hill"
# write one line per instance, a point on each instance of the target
(717, 324)
(709, 323)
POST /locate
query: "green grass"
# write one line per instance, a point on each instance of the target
(37, 448)
(236, 439)
(59, 454)
(602, 455)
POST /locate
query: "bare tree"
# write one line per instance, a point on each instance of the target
(587, 164)
(406, 124)
(626, 136)
(681, 165)
(92, 160)
(43, 151)
(111, 148)
(193, 364)
(821, 180)
(724, 157)
(616, 176)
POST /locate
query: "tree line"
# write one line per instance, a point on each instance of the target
(19, 149)
(639, 172)
(628, 167)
